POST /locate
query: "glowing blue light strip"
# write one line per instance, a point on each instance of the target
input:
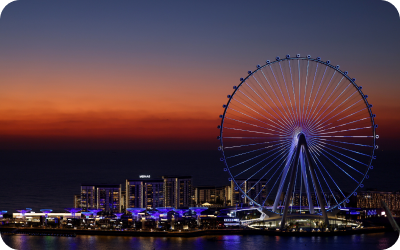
(305, 91)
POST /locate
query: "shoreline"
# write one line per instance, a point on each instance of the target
(194, 233)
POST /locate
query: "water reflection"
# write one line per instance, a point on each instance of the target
(226, 242)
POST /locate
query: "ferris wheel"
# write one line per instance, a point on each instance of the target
(297, 134)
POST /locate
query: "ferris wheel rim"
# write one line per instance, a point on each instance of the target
(319, 61)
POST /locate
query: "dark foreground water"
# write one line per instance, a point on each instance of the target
(231, 242)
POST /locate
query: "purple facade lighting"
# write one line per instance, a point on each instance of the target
(164, 210)
(73, 210)
(24, 211)
(1, 213)
(46, 212)
(180, 211)
(119, 215)
(87, 214)
(198, 210)
(95, 211)
(134, 211)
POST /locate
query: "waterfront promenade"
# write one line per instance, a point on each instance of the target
(191, 233)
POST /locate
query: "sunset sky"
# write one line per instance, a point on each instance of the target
(154, 75)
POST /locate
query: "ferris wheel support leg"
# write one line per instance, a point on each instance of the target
(283, 178)
(314, 179)
(307, 187)
(291, 184)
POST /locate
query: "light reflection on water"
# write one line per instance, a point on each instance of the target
(227, 242)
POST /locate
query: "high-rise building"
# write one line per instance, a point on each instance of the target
(88, 197)
(168, 191)
(372, 199)
(153, 193)
(109, 198)
(77, 201)
(105, 197)
(177, 191)
(134, 196)
(218, 196)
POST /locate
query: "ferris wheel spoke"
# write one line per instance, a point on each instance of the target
(321, 123)
(254, 125)
(352, 114)
(322, 165)
(298, 69)
(284, 99)
(357, 144)
(316, 164)
(323, 94)
(262, 138)
(315, 97)
(255, 150)
(258, 163)
(262, 100)
(250, 131)
(347, 157)
(312, 88)
(305, 92)
(346, 149)
(318, 118)
(259, 120)
(323, 105)
(249, 159)
(267, 171)
(345, 130)
(287, 91)
(294, 95)
(268, 97)
(322, 152)
(315, 186)
(254, 144)
(324, 128)
(257, 112)
(272, 186)
(266, 183)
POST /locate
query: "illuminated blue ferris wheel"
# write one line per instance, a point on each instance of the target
(297, 134)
